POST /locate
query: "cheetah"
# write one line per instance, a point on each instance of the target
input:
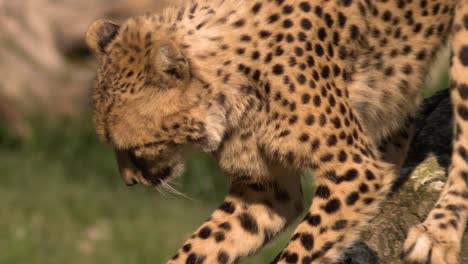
(273, 88)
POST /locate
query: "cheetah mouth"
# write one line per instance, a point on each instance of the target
(134, 170)
(155, 176)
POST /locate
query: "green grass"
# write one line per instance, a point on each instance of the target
(62, 201)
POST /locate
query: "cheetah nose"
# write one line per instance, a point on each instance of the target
(129, 173)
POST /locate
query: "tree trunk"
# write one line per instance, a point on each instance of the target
(421, 180)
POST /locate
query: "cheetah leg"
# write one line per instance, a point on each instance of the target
(251, 215)
(438, 239)
(347, 197)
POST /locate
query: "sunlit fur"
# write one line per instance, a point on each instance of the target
(275, 88)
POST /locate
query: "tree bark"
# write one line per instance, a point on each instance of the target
(417, 189)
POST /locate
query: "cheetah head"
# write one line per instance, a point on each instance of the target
(147, 103)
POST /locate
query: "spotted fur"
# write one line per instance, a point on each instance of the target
(273, 88)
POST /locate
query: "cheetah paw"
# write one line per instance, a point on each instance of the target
(431, 245)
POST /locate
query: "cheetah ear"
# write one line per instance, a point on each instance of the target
(170, 61)
(100, 34)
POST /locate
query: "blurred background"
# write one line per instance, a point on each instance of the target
(61, 198)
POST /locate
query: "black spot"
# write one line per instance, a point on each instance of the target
(287, 23)
(264, 34)
(248, 223)
(293, 119)
(305, 98)
(453, 223)
(239, 23)
(317, 100)
(363, 188)
(225, 225)
(302, 36)
(304, 6)
(340, 224)
(240, 51)
(350, 175)
(256, 8)
(332, 140)
(284, 133)
(347, 2)
(223, 257)
(319, 50)
(464, 176)
(288, 9)
(187, 247)
(407, 69)
(332, 206)
(326, 157)
(278, 69)
(315, 144)
(268, 57)
(352, 198)
(273, 18)
(354, 32)
(304, 137)
(342, 156)
(464, 55)
(325, 71)
(309, 120)
(328, 20)
(306, 260)
(323, 120)
(370, 175)
(463, 153)
(331, 175)
(291, 258)
(219, 236)
(336, 121)
(439, 215)
(227, 207)
(307, 241)
(463, 91)
(386, 16)
(322, 34)
(301, 79)
(389, 71)
(194, 259)
(357, 158)
(327, 246)
(421, 55)
(462, 112)
(322, 192)
(306, 24)
(341, 19)
(205, 232)
(314, 220)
